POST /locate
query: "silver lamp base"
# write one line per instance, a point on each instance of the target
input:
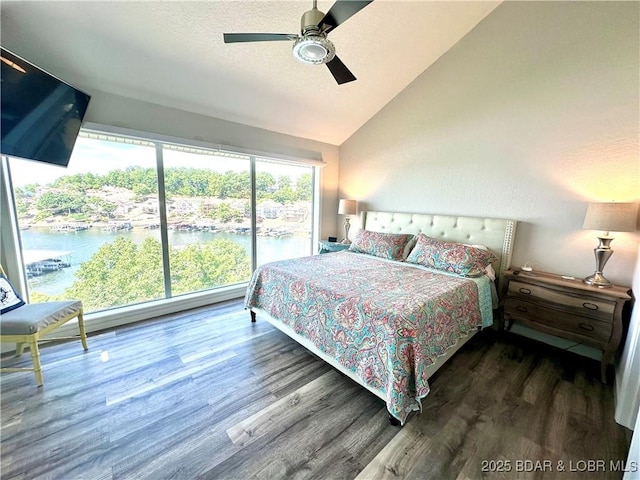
(602, 253)
(597, 280)
(347, 226)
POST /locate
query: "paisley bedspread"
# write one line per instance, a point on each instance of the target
(385, 321)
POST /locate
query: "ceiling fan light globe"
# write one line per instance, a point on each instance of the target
(314, 49)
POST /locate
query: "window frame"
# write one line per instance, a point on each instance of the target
(12, 248)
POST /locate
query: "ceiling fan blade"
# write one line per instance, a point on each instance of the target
(258, 37)
(341, 11)
(340, 71)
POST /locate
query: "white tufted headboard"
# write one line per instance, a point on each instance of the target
(495, 233)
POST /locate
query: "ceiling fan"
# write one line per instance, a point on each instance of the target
(312, 45)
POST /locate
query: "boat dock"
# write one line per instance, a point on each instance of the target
(41, 262)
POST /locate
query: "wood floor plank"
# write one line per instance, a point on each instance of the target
(370, 432)
(394, 460)
(161, 381)
(209, 394)
(274, 417)
(308, 432)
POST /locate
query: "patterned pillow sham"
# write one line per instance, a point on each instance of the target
(383, 245)
(453, 257)
(9, 298)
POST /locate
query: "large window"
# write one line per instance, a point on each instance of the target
(134, 220)
(284, 212)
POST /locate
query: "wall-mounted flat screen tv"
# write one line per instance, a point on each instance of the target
(41, 114)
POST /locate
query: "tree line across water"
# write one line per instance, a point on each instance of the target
(71, 194)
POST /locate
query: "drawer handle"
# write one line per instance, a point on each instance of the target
(586, 326)
(590, 306)
(520, 308)
(526, 291)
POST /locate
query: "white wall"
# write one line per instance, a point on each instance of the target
(628, 370)
(530, 116)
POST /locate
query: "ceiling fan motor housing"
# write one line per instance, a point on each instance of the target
(311, 20)
(313, 46)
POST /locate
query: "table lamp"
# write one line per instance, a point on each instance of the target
(607, 217)
(346, 207)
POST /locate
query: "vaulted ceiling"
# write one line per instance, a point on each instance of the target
(172, 53)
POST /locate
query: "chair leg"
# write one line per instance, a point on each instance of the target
(19, 349)
(35, 357)
(83, 333)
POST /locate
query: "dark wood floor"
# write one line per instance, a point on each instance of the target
(207, 394)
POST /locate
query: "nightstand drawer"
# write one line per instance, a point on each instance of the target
(559, 320)
(577, 304)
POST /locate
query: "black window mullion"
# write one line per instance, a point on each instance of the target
(254, 221)
(164, 232)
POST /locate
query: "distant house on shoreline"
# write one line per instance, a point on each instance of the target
(270, 209)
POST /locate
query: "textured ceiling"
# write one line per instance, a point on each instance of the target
(172, 53)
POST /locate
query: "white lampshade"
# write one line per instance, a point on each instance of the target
(611, 217)
(347, 207)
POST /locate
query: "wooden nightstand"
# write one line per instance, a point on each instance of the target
(567, 308)
(327, 247)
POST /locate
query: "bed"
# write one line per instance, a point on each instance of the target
(410, 292)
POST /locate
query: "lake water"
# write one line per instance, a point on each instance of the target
(83, 244)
